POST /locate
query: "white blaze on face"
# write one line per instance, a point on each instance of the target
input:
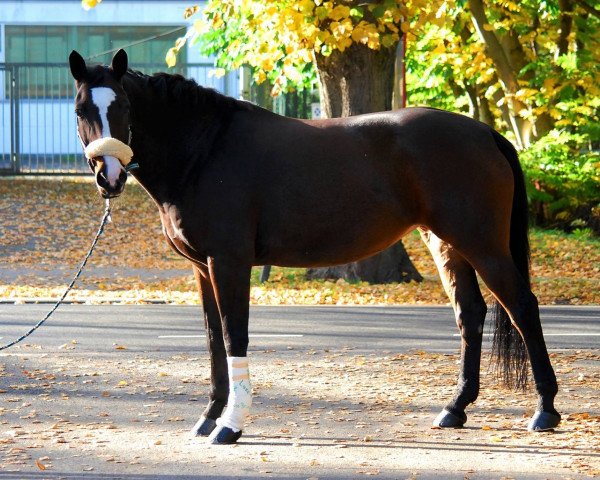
(102, 97)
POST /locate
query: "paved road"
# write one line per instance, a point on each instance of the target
(326, 405)
(168, 328)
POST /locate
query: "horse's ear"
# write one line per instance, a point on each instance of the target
(119, 64)
(77, 65)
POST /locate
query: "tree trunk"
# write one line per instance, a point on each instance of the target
(486, 115)
(361, 80)
(357, 80)
(391, 265)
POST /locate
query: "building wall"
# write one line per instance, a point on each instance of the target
(110, 12)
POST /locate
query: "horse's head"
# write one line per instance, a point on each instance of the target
(103, 123)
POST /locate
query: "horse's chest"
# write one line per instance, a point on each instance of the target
(175, 233)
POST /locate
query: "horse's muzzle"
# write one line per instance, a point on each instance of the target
(109, 189)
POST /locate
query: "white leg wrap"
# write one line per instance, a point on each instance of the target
(240, 394)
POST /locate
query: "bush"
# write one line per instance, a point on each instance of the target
(563, 181)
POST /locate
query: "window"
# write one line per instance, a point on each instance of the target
(43, 45)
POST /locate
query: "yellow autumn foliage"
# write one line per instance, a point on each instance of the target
(89, 4)
(452, 49)
(295, 31)
(286, 35)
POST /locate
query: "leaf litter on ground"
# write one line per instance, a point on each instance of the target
(383, 400)
(49, 225)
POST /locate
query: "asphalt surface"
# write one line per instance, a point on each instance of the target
(167, 328)
(107, 392)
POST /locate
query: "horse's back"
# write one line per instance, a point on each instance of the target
(432, 160)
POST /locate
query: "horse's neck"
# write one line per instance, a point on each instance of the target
(157, 140)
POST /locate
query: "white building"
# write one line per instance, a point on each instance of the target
(36, 91)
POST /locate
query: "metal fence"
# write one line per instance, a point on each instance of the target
(38, 132)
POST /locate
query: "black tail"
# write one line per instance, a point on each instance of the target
(508, 347)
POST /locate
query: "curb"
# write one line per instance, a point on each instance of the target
(87, 301)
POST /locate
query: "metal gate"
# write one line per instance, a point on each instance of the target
(38, 131)
(7, 148)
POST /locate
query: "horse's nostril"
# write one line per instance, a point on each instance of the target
(101, 179)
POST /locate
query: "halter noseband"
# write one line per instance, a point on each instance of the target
(110, 146)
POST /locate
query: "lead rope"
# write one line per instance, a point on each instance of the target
(105, 219)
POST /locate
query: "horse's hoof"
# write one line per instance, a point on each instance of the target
(224, 436)
(447, 419)
(543, 421)
(203, 427)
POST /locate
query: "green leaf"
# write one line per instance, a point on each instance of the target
(357, 12)
(567, 62)
(379, 11)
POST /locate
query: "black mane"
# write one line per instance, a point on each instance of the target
(183, 92)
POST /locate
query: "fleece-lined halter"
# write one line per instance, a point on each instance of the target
(112, 147)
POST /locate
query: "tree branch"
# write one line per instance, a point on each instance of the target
(566, 24)
(506, 73)
(588, 8)
(494, 48)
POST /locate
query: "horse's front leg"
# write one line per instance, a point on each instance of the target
(230, 280)
(219, 380)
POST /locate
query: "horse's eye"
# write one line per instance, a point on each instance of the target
(78, 112)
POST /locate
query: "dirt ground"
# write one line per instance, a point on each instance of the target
(316, 415)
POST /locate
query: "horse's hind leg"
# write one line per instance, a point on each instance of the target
(460, 283)
(218, 360)
(502, 277)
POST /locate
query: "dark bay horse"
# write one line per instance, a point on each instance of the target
(237, 186)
